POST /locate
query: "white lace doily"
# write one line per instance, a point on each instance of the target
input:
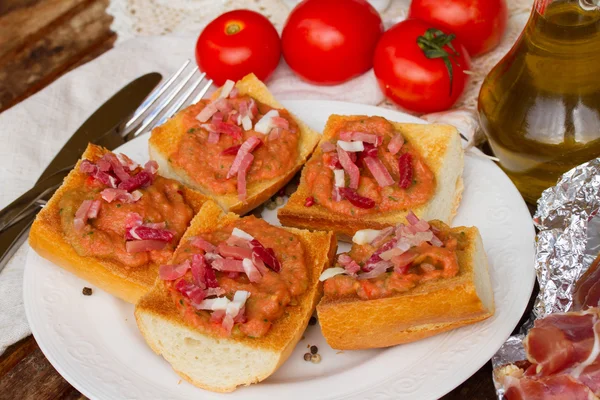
(188, 17)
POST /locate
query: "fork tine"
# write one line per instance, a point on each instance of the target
(152, 97)
(181, 101)
(163, 104)
(202, 92)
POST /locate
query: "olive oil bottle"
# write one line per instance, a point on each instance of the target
(540, 106)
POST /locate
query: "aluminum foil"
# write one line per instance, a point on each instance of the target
(566, 245)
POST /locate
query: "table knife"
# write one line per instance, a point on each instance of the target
(99, 124)
(100, 128)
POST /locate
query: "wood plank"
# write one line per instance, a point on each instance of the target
(34, 378)
(73, 37)
(7, 6)
(15, 353)
(26, 24)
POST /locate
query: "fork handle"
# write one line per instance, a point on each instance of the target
(12, 238)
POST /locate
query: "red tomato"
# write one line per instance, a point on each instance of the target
(331, 41)
(411, 79)
(237, 43)
(478, 24)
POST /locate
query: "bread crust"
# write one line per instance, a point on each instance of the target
(47, 239)
(441, 149)
(165, 141)
(279, 342)
(428, 309)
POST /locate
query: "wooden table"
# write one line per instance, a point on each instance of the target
(39, 41)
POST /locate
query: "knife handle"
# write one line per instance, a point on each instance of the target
(13, 213)
(12, 238)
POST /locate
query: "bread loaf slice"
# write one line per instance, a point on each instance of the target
(441, 149)
(430, 308)
(165, 139)
(222, 364)
(48, 240)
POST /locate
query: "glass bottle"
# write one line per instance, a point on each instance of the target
(540, 105)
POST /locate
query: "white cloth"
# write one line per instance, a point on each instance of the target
(34, 130)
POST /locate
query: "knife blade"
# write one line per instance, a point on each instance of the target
(103, 120)
(99, 128)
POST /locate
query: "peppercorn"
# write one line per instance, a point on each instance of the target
(271, 205)
(315, 358)
(314, 349)
(312, 321)
(307, 357)
(87, 291)
(279, 201)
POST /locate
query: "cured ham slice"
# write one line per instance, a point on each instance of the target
(396, 144)
(558, 387)
(560, 341)
(587, 288)
(564, 349)
(379, 172)
(246, 148)
(349, 166)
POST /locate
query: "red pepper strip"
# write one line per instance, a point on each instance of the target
(406, 171)
(231, 151)
(353, 197)
(267, 255)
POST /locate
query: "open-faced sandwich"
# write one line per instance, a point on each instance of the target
(368, 172)
(235, 299)
(405, 283)
(114, 222)
(239, 148)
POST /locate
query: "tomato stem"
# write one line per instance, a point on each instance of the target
(232, 28)
(432, 43)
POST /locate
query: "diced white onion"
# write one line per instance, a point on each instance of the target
(219, 303)
(239, 299)
(331, 272)
(136, 195)
(226, 89)
(340, 178)
(241, 234)
(246, 123)
(365, 236)
(351, 146)
(265, 124)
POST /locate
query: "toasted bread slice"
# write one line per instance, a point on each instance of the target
(222, 364)
(48, 240)
(441, 149)
(430, 308)
(165, 139)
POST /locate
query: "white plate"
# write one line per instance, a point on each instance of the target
(95, 345)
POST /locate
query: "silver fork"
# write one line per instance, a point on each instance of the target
(161, 104)
(171, 95)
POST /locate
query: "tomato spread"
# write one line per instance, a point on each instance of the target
(269, 290)
(207, 151)
(157, 206)
(389, 174)
(395, 261)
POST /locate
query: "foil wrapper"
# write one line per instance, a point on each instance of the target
(566, 245)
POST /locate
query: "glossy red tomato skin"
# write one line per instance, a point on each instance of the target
(255, 48)
(410, 79)
(478, 24)
(331, 41)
